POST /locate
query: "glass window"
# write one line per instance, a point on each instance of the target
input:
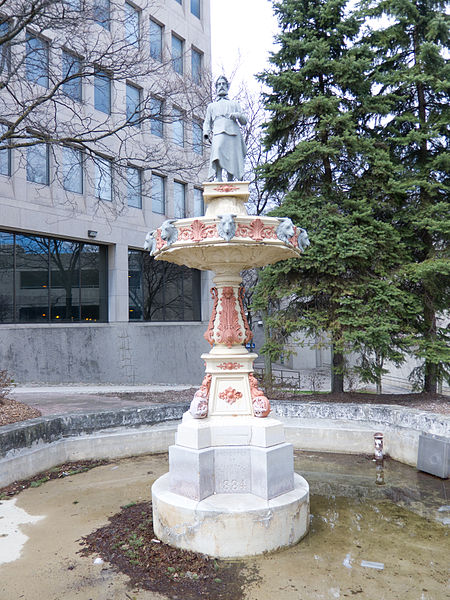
(71, 66)
(180, 1)
(195, 8)
(156, 120)
(36, 60)
(133, 105)
(5, 49)
(102, 14)
(199, 207)
(162, 291)
(132, 18)
(177, 54)
(196, 66)
(156, 40)
(179, 200)
(134, 187)
(72, 170)
(5, 154)
(103, 179)
(47, 279)
(38, 163)
(102, 92)
(177, 127)
(197, 137)
(6, 277)
(158, 194)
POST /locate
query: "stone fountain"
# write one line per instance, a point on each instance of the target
(231, 489)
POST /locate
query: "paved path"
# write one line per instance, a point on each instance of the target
(53, 400)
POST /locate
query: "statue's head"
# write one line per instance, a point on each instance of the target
(222, 85)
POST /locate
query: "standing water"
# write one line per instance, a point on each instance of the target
(377, 533)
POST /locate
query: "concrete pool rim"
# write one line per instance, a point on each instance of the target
(29, 447)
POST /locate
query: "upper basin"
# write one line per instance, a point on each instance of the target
(199, 244)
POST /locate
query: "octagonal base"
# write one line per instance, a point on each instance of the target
(230, 525)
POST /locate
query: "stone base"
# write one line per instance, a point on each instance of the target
(264, 472)
(230, 525)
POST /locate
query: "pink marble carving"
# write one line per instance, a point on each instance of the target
(261, 404)
(199, 404)
(226, 187)
(209, 333)
(294, 239)
(229, 331)
(197, 231)
(230, 366)
(230, 395)
(159, 241)
(257, 231)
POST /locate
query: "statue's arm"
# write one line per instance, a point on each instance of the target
(238, 115)
(207, 125)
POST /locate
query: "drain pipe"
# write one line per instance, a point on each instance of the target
(378, 445)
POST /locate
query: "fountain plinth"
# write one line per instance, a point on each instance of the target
(231, 489)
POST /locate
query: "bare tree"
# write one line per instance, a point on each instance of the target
(83, 74)
(260, 201)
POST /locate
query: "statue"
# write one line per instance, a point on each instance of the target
(222, 130)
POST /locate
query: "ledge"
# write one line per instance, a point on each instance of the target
(28, 447)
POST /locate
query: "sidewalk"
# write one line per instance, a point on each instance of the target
(53, 400)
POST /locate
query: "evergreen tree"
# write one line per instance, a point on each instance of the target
(411, 79)
(337, 177)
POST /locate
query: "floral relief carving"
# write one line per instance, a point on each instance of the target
(257, 231)
(209, 333)
(229, 331)
(226, 187)
(197, 231)
(230, 395)
(159, 241)
(294, 239)
(230, 366)
(248, 331)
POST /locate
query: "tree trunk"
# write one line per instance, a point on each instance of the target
(379, 359)
(431, 368)
(337, 371)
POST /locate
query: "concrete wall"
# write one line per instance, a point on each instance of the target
(121, 353)
(32, 446)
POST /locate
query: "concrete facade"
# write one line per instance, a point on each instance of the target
(116, 351)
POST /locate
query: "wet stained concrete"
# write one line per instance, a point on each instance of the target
(360, 511)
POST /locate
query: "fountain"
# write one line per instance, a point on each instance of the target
(231, 489)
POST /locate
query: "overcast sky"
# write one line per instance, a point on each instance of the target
(242, 34)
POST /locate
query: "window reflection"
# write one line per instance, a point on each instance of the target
(46, 279)
(161, 291)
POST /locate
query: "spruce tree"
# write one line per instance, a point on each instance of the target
(411, 81)
(336, 176)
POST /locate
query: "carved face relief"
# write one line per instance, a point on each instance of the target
(150, 242)
(285, 230)
(169, 232)
(226, 227)
(303, 239)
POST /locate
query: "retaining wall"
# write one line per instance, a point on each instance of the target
(32, 446)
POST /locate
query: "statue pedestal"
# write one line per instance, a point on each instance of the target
(231, 489)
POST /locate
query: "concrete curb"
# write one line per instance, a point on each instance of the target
(28, 447)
